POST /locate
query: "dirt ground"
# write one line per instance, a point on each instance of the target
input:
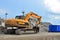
(38, 36)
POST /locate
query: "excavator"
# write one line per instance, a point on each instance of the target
(19, 24)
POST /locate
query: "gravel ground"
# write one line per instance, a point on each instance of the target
(39, 36)
(42, 35)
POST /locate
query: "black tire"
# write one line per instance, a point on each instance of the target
(18, 32)
(36, 29)
(8, 31)
(5, 31)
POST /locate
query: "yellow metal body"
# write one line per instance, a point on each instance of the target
(14, 22)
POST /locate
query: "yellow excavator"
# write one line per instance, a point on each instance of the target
(20, 24)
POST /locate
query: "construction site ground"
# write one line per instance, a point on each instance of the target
(31, 36)
(42, 35)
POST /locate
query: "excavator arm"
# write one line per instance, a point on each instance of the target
(31, 14)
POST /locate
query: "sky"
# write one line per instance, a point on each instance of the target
(48, 9)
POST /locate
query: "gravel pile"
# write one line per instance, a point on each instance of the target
(44, 26)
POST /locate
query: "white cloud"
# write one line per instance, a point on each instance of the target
(55, 17)
(53, 5)
(2, 11)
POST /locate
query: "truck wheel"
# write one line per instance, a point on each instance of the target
(18, 31)
(36, 29)
(5, 31)
(9, 31)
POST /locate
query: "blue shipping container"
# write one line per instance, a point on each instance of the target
(54, 28)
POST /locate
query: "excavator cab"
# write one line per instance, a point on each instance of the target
(20, 17)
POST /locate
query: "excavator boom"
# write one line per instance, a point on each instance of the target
(31, 14)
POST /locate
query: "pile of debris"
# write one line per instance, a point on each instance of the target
(1, 25)
(44, 26)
